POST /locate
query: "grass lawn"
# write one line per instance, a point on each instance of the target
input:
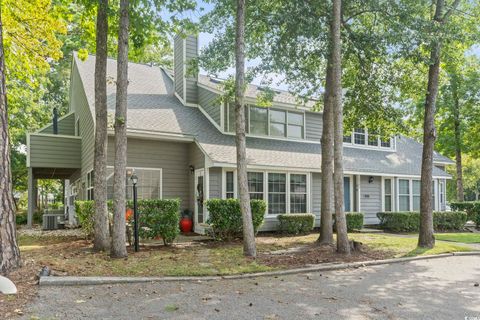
(465, 237)
(73, 256)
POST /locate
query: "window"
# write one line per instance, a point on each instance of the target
(90, 178)
(416, 195)
(373, 139)
(277, 192)
(441, 194)
(295, 125)
(258, 121)
(149, 184)
(359, 136)
(388, 194)
(298, 193)
(404, 195)
(230, 117)
(230, 185)
(385, 143)
(347, 139)
(255, 185)
(278, 123)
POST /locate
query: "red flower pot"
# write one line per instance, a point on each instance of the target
(186, 224)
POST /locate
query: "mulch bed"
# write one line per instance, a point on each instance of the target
(315, 254)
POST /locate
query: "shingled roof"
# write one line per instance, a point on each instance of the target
(152, 107)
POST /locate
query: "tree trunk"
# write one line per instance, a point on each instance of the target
(458, 140)
(9, 253)
(335, 59)
(119, 248)
(426, 238)
(101, 240)
(326, 231)
(249, 247)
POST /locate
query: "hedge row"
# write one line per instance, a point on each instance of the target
(472, 208)
(225, 218)
(296, 223)
(410, 221)
(157, 218)
(354, 221)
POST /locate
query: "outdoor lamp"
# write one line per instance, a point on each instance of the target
(134, 179)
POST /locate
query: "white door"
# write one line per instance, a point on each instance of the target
(199, 199)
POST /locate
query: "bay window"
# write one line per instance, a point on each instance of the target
(277, 193)
(298, 193)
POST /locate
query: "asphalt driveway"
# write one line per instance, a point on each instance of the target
(428, 289)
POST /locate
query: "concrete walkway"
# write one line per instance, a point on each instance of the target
(429, 289)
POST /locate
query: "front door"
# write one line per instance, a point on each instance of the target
(199, 197)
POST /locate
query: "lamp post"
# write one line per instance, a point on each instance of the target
(134, 179)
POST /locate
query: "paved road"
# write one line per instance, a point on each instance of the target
(428, 289)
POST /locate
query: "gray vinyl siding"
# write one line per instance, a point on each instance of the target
(79, 105)
(313, 126)
(209, 101)
(178, 65)
(191, 49)
(54, 151)
(370, 198)
(215, 180)
(66, 126)
(171, 157)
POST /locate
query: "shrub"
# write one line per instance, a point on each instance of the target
(158, 218)
(410, 221)
(225, 218)
(85, 211)
(354, 221)
(21, 218)
(296, 223)
(472, 208)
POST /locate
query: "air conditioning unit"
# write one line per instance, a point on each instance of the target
(52, 221)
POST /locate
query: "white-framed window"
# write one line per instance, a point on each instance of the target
(255, 185)
(298, 193)
(277, 193)
(368, 138)
(416, 195)
(387, 195)
(278, 123)
(258, 121)
(89, 185)
(296, 125)
(359, 136)
(229, 184)
(441, 185)
(403, 194)
(149, 185)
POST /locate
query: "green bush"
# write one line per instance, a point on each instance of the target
(158, 218)
(410, 221)
(472, 208)
(354, 221)
(296, 223)
(21, 218)
(225, 218)
(85, 211)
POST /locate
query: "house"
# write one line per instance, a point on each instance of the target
(181, 145)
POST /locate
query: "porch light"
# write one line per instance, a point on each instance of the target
(192, 168)
(134, 178)
(370, 180)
